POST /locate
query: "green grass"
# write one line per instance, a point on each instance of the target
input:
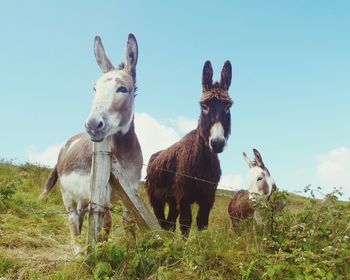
(308, 240)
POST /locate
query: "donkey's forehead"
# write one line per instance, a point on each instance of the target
(215, 102)
(116, 76)
(256, 171)
(216, 93)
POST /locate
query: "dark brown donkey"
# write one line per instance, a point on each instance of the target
(194, 155)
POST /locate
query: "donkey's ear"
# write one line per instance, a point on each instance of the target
(131, 55)
(247, 160)
(258, 158)
(207, 76)
(101, 57)
(226, 75)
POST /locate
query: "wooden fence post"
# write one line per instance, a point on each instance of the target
(131, 200)
(100, 174)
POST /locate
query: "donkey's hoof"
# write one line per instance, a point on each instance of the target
(78, 250)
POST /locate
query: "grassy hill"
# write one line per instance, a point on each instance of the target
(308, 240)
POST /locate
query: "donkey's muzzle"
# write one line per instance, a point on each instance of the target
(217, 145)
(96, 129)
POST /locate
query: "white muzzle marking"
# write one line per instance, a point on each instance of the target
(217, 132)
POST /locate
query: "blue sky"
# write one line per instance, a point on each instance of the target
(291, 69)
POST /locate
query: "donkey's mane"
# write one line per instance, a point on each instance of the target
(216, 92)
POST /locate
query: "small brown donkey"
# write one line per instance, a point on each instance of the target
(194, 155)
(112, 114)
(260, 183)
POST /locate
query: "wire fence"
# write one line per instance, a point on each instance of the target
(181, 174)
(112, 209)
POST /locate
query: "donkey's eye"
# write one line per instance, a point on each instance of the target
(122, 89)
(227, 109)
(260, 178)
(205, 108)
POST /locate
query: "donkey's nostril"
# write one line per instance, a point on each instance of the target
(95, 125)
(217, 145)
(100, 125)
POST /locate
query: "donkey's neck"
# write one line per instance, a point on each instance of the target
(126, 149)
(124, 144)
(202, 150)
(202, 161)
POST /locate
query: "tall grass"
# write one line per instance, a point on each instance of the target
(308, 240)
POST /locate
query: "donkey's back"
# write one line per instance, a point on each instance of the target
(239, 207)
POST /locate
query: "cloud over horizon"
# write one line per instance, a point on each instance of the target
(333, 170)
(153, 136)
(47, 157)
(231, 182)
(185, 125)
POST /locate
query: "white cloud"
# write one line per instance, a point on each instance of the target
(47, 157)
(231, 182)
(153, 136)
(333, 170)
(185, 125)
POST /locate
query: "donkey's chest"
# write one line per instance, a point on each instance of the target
(205, 168)
(75, 185)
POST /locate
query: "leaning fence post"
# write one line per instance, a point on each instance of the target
(130, 199)
(100, 174)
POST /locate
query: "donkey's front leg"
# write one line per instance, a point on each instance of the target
(74, 226)
(185, 217)
(203, 213)
(203, 217)
(73, 221)
(172, 215)
(158, 205)
(82, 210)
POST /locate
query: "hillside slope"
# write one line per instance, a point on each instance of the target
(308, 240)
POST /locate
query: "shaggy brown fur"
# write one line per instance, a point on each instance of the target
(239, 207)
(216, 92)
(168, 171)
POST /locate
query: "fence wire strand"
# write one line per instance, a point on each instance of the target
(179, 174)
(52, 213)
